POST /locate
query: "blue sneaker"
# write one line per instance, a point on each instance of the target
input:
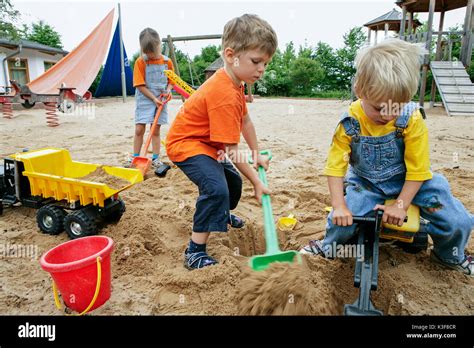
(198, 260)
(156, 163)
(235, 221)
(314, 247)
(466, 266)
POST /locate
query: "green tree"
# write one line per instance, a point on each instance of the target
(276, 80)
(192, 69)
(96, 82)
(200, 62)
(134, 59)
(8, 17)
(305, 51)
(209, 53)
(353, 41)
(305, 75)
(289, 54)
(182, 60)
(43, 33)
(326, 56)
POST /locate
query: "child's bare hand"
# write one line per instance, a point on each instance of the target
(157, 102)
(164, 95)
(260, 189)
(342, 216)
(393, 214)
(262, 160)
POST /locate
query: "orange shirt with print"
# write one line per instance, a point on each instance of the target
(209, 119)
(139, 70)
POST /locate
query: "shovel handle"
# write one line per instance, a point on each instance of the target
(378, 215)
(155, 122)
(271, 237)
(264, 153)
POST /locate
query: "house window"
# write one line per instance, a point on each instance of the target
(48, 65)
(18, 70)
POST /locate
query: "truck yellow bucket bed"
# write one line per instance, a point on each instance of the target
(52, 173)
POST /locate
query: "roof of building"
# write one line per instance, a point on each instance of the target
(215, 65)
(12, 44)
(424, 5)
(392, 18)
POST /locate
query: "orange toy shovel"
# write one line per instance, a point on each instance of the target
(142, 162)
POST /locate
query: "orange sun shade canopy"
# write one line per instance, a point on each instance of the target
(79, 68)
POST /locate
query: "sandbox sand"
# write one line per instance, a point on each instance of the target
(148, 274)
(101, 176)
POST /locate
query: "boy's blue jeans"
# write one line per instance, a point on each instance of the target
(450, 225)
(220, 188)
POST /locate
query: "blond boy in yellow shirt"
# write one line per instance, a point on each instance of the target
(380, 151)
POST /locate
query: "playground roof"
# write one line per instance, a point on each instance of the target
(392, 18)
(215, 65)
(424, 5)
(10, 44)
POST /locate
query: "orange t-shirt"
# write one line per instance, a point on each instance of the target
(209, 119)
(139, 70)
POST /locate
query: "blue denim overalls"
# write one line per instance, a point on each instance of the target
(156, 82)
(377, 172)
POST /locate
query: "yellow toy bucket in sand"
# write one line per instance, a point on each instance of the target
(287, 223)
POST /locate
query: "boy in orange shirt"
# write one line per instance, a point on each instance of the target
(151, 84)
(206, 133)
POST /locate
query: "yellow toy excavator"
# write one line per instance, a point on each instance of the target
(370, 230)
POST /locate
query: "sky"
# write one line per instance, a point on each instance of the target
(303, 22)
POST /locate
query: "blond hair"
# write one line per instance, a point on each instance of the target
(388, 71)
(249, 32)
(150, 41)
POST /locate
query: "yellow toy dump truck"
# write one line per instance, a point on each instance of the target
(48, 180)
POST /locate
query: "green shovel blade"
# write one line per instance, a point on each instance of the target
(262, 262)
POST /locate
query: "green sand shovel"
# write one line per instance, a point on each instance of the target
(273, 252)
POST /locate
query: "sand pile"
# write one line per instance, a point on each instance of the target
(101, 176)
(148, 274)
(282, 289)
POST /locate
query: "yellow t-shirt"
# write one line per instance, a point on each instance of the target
(417, 159)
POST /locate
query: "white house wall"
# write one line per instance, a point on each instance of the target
(2, 77)
(35, 59)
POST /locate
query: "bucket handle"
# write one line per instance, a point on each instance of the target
(96, 294)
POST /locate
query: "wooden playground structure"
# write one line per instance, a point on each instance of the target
(170, 47)
(389, 22)
(450, 77)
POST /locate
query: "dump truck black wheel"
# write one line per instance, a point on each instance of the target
(50, 219)
(116, 215)
(79, 224)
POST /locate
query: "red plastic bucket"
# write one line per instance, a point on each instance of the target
(73, 267)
